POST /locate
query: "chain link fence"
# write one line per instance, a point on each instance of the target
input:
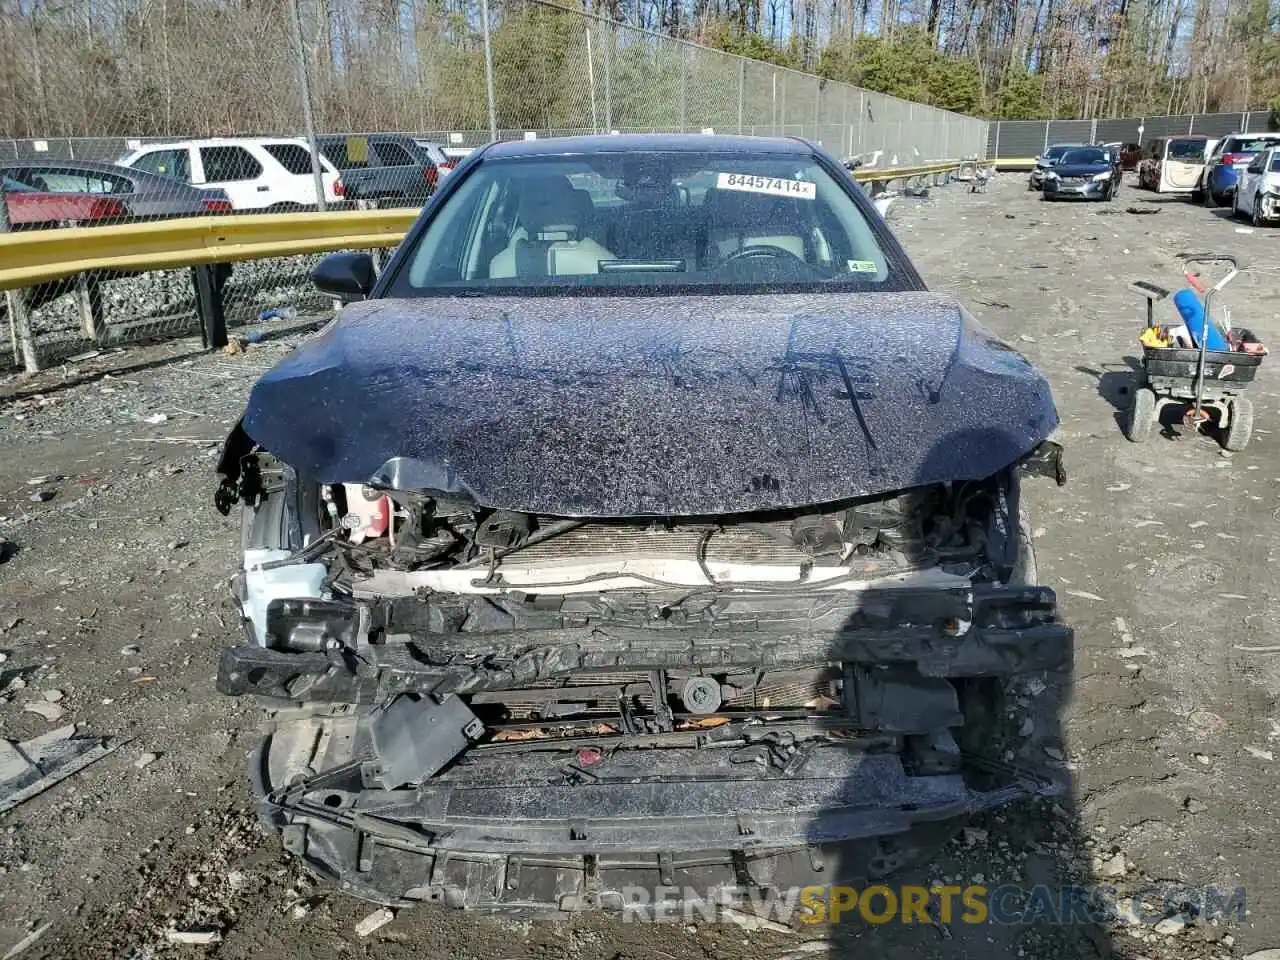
(1021, 139)
(316, 91)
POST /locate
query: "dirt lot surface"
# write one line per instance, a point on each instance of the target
(115, 604)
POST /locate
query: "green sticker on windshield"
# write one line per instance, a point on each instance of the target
(863, 266)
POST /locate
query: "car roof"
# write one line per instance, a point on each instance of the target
(89, 166)
(667, 142)
(219, 142)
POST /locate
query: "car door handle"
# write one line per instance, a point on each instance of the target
(264, 188)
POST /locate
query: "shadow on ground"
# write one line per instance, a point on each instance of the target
(1007, 882)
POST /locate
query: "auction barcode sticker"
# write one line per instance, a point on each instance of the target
(775, 186)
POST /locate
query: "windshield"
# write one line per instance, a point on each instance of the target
(1249, 144)
(1186, 150)
(1056, 152)
(653, 220)
(1085, 156)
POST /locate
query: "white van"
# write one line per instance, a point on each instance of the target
(259, 173)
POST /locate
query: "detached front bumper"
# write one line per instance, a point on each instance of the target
(541, 834)
(1088, 190)
(1269, 206)
(566, 814)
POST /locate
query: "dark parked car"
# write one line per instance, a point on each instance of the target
(384, 167)
(143, 196)
(1129, 154)
(1083, 173)
(1046, 161)
(631, 535)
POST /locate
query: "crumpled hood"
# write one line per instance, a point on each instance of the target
(590, 406)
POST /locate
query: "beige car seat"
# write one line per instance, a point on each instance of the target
(551, 240)
(737, 219)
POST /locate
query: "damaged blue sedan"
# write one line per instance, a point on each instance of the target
(646, 522)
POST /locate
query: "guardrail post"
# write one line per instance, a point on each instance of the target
(20, 330)
(379, 253)
(209, 305)
(93, 320)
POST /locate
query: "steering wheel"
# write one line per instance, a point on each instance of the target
(754, 251)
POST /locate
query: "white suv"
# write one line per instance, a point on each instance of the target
(260, 173)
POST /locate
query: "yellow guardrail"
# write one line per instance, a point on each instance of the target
(30, 257)
(1013, 163)
(874, 174)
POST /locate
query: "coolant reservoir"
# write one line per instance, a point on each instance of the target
(368, 513)
(297, 581)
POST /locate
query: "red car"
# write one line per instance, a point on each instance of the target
(28, 208)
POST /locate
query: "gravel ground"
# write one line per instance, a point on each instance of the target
(115, 604)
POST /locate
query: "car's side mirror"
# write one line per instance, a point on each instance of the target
(345, 276)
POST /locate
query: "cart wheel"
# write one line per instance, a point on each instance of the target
(1141, 415)
(1240, 427)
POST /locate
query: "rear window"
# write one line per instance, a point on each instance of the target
(394, 155)
(72, 181)
(346, 153)
(1249, 144)
(292, 156)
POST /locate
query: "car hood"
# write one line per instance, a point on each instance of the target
(602, 406)
(1081, 169)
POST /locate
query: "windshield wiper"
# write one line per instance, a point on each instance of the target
(641, 266)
